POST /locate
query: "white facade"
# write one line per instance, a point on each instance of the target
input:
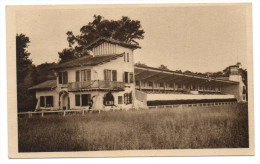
(64, 98)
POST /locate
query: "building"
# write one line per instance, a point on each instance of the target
(109, 79)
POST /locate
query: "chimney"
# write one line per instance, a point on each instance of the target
(235, 73)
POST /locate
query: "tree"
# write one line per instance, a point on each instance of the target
(125, 30)
(163, 67)
(24, 68)
(140, 64)
(22, 56)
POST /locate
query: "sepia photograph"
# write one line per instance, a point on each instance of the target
(130, 80)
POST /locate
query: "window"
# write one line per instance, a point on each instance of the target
(120, 99)
(137, 82)
(114, 75)
(85, 99)
(150, 84)
(42, 101)
(128, 77)
(49, 101)
(179, 85)
(108, 99)
(127, 57)
(108, 75)
(83, 75)
(82, 100)
(128, 98)
(124, 57)
(46, 101)
(171, 85)
(63, 77)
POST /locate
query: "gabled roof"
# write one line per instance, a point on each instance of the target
(88, 61)
(49, 84)
(100, 40)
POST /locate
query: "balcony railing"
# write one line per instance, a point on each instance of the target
(96, 85)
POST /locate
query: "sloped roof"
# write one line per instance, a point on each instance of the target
(223, 78)
(88, 61)
(49, 84)
(100, 40)
(185, 74)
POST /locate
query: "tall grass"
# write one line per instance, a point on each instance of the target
(190, 128)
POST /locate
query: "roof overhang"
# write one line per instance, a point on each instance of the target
(101, 40)
(158, 75)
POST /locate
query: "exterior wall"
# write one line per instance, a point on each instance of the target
(108, 48)
(53, 93)
(236, 90)
(98, 100)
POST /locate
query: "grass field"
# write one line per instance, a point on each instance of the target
(193, 127)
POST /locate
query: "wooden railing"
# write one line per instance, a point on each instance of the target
(96, 84)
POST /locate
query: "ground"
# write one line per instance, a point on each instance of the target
(189, 128)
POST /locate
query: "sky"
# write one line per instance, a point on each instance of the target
(195, 38)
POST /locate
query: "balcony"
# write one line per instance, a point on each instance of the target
(96, 85)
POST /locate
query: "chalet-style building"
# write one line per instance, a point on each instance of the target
(109, 79)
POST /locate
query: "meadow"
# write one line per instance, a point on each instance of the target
(187, 128)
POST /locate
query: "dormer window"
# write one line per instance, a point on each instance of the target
(63, 77)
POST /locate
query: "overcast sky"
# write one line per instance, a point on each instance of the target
(199, 39)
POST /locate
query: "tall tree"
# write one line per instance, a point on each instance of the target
(125, 30)
(24, 68)
(22, 56)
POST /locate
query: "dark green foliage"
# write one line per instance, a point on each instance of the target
(125, 30)
(187, 128)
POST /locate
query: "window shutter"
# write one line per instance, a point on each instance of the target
(60, 77)
(131, 77)
(114, 74)
(65, 78)
(77, 76)
(127, 57)
(105, 74)
(88, 74)
(130, 98)
(109, 75)
(77, 100)
(42, 101)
